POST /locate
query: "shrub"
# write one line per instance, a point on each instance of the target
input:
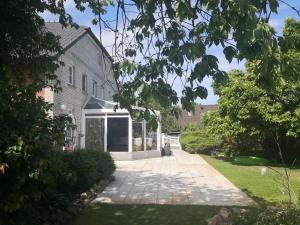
(65, 175)
(90, 166)
(286, 216)
(49, 200)
(199, 141)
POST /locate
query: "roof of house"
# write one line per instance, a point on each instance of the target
(195, 117)
(70, 35)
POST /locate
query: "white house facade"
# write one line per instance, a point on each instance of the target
(88, 84)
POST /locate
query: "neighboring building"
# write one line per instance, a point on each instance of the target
(87, 72)
(195, 117)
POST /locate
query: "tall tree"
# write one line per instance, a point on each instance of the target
(249, 107)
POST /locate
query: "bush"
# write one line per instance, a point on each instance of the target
(65, 175)
(275, 216)
(90, 166)
(49, 199)
(199, 141)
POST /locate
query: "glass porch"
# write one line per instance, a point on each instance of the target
(115, 131)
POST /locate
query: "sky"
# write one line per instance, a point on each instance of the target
(85, 18)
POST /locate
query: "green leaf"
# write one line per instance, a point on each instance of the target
(230, 53)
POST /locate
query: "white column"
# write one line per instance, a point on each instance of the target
(105, 132)
(145, 134)
(129, 134)
(82, 132)
(158, 134)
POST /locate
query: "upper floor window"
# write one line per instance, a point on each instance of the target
(71, 75)
(102, 92)
(94, 88)
(84, 82)
(99, 59)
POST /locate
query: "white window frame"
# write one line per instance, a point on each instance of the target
(73, 75)
(84, 87)
(94, 88)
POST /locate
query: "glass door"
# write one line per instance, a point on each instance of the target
(94, 133)
(117, 134)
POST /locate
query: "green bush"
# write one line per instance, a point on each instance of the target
(90, 166)
(199, 141)
(65, 175)
(286, 216)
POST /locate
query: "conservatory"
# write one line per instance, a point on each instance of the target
(116, 132)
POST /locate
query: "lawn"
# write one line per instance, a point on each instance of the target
(265, 189)
(111, 214)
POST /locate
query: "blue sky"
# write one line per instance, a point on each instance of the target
(84, 18)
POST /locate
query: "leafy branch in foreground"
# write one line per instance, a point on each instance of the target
(159, 41)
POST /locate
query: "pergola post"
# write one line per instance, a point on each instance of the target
(105, 132)
(158, 136)
(145, 135)
(129, 134)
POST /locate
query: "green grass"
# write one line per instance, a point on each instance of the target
(266, 189)
(250, 160)
(111, 214)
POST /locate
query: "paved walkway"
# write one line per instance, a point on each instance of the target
(179, 179)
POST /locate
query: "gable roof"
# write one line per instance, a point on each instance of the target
(70, 35)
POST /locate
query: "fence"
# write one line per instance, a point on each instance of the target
(169, 139)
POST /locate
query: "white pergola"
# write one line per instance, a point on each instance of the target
(116, 132)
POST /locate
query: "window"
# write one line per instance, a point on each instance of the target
(70, 135)
(84, 82)
(190, 113)
(102, 93)
(71, 75)
(99, 59)
(94, 88)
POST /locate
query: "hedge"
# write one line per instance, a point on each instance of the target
(199, 141)
(90, 166)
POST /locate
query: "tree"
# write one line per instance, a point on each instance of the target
(248, 107)
(28, 57)
(171, 37)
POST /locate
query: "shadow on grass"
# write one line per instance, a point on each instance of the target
(123, 214)
(261, 202)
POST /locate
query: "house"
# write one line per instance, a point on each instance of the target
(196, 116)
(88, 84)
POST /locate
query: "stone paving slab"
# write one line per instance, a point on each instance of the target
(181, 179)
